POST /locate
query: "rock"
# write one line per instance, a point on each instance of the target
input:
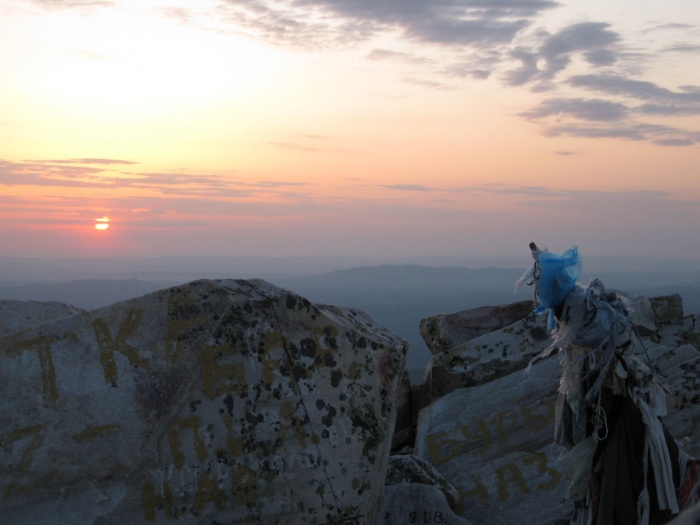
(411, 503)
(478, 360)
(403, 431)
(445, 331)
(687, 331)
(494, 442)
(491, 441)
(689, 516)
(420, 398)
(668, 309)
(489, 356)
(20, 315)
(416, 493)
(214, 402)
(414, 469)
(678, 370)
(641, 312)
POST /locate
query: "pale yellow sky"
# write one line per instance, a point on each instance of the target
(322, 127)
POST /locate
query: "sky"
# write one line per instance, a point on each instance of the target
(391, 128)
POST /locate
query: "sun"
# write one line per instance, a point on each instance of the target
(102, 223)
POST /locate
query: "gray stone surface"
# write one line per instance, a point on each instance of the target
(689, 516)
(404, 430)
(488, 357)
(415, 503)
(445, 331)
(668, 309)
(493, 442)
(20, 315)
(213, 402)
(687, 331)
(414, 469)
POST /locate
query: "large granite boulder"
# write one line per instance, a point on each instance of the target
(444, 331)
(20, 315)
(491, 442)
(488, 357)
(475, 360)
(213, 402)
(494, 441)
(415, 492)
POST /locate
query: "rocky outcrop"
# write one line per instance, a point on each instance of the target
(488, 429)
(690, 516)
(20, 315)
(493, 442)
(445, 331)
(213, 402)
(475, 361)
(415, 492)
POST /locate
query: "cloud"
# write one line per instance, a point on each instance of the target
(684, 47)
(448, 40)
(285, 23)
(623, 114)
(583, 109)
(555, 52)
(657, 134)
(86, 161)
(63, 174)
(617, 85)
(616, 203)
(426, 83)
(595, 132)
(473, 73)
(386, 54)
(656, 100)
(44, 174)
(323, 23)
(501, 189)
(674, 142)
(73, 4)
(408, 187)
(463, 22)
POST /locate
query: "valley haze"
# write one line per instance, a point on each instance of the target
(397, 293)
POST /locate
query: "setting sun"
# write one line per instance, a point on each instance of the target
(102, 223)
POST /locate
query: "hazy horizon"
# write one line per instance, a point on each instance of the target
(33, 269)
(397, 294)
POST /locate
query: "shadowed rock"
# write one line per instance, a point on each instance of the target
(445, 331)
(690, 516)
(494, 442)
(213, 402)
(415, 492)
(20, 315)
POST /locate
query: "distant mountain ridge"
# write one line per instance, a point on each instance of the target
(397, 296)
(87, 294)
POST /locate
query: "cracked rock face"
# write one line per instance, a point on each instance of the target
(213, 402)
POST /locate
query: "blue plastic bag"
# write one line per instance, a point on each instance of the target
(558, 276)
(554, 276)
